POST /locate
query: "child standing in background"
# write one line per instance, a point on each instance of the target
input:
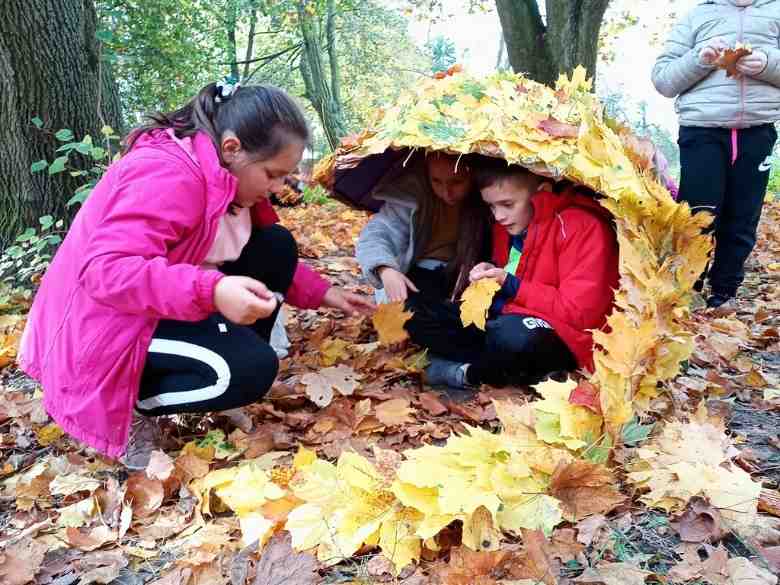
(727, 131)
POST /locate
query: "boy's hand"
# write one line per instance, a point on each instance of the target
(396, 283)
(752, 64)
(487, 270)
(349, 303)
(709, 54)
(243, 300)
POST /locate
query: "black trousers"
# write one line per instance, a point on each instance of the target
(733, 193)
(214, 364)
(514, 349)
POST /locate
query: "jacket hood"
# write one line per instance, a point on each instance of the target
(199, 150)
(547, 204)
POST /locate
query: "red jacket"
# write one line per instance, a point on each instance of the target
(569, 268)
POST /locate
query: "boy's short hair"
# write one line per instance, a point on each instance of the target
(493, 171)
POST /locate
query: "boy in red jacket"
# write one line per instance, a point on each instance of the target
(556, 259)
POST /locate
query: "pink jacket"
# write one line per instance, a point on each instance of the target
(131, 258)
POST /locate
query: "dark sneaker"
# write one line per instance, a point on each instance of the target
(441, 372)
(716, 301)
(145, 437)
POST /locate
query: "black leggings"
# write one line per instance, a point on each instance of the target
(734, 193)
(514, 349)
(214, 364)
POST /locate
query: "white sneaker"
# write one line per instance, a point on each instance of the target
(145, 437)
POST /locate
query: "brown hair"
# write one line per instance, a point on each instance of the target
(263, 117)
(473, 228)
(494, 171)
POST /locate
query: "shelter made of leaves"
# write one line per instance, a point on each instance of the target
(560, 133)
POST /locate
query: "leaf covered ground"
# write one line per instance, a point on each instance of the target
(688, 496)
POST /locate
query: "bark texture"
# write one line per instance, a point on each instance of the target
(542, 50)
(50, 67)
(322, 80)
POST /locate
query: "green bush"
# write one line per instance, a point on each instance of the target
(22, 263)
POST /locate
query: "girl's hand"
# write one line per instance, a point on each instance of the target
(396, 284)
(752, 64)
(709, 54)
(349, 303)
(243, 300)
(487, 270)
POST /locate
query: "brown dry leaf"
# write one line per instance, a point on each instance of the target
(189, 467)
(280, 564)
(467, 567)
(589, 529)
(146, 494)
(389, 321)
(771, 555)
(178, 576)
(160, 466)
(432, 404)
(320, 385)
(479, 531)
(100, 566)
(584, 488)
(559, 129)
(477, 299)
(564, 545)
(534, 561)
(728, 60)
(91, 540)
(700, 522)
(613, 574)
(19, 562)
(394, 412)
(743, 572)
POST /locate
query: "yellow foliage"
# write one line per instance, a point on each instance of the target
(559, 421)
(477, 299)
(389, 322)
(694, 459)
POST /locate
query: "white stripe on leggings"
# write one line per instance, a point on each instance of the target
(190, 350)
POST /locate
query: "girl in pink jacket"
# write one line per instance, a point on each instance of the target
(162, 297)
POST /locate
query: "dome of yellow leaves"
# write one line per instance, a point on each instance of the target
(561, 133)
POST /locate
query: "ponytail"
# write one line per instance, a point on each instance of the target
(263, 117)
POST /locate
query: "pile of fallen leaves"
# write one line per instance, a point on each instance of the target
(352, 471)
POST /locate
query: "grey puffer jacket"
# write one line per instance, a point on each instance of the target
(388, 237)
(706, 96)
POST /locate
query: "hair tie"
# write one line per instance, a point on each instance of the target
(226, 89)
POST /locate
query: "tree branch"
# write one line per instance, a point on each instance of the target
(250, 44)
(270, 57)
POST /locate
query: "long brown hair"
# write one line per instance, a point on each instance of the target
(263, 117)
(474, 224)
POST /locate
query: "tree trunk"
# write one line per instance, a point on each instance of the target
(569, 38)
(323, 93)
(50, 67)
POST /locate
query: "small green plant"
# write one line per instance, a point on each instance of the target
(315, 195)
(96, 156)
(33, 249)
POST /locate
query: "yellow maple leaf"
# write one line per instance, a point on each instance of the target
(48, 434)
(477, 299)
(389, 321)
(333, 350)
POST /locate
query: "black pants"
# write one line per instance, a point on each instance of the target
(733, 193)
(214, 364)
(514, 349)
